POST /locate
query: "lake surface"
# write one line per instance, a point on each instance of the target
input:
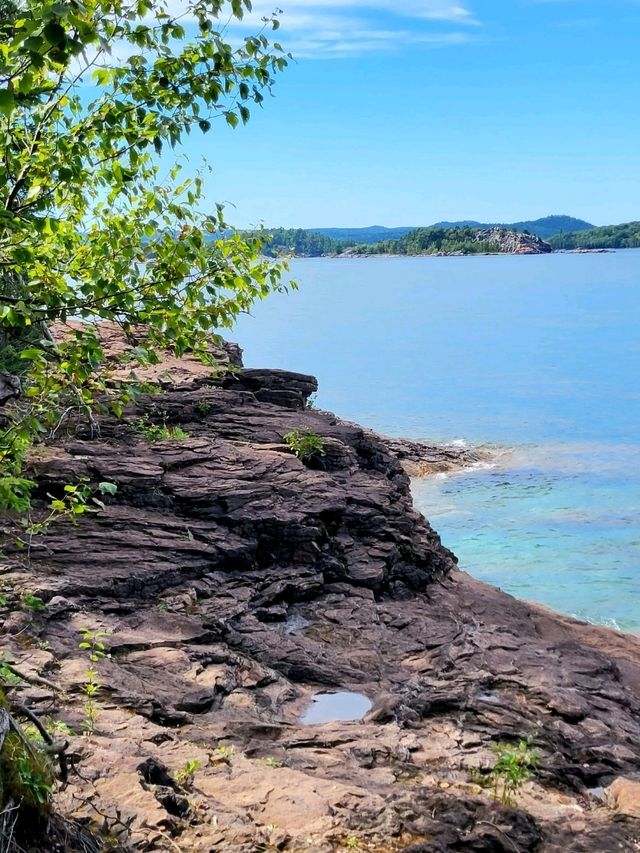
(537, 354)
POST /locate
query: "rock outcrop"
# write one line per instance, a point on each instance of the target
(420, 459)
(233, 581)
(9, 388)
(514, 242)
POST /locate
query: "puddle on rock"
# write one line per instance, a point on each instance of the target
(336, 707)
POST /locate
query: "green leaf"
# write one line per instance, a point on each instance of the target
(30, 352)
(54, 33)
(7, 102)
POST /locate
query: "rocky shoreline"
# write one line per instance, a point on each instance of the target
(422, 459)
(234, 581)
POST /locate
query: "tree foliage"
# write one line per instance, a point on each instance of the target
(96, 222)
(299, 242)
(434, 241)
(625, 236)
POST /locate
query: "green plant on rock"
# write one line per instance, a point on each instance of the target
(75, 500)
(26, 773)
(158, 432)
(32, 602)
(222, 755)
(305, 444)
(55, 727)
(15, 494)
(514, 764)
(8, 676)
(91, 643)
(270, 761)
(184, 776)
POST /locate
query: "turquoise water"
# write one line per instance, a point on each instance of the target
(540, 355)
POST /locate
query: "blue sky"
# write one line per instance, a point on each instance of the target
(496, 110)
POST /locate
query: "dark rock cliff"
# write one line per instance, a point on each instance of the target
(233, 580)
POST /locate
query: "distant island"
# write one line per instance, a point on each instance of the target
(466, 237)
(457, 241)
(546, 227)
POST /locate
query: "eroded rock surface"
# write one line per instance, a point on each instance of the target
(514, 242)
(233, 581)
(420, 459)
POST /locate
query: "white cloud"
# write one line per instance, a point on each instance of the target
(440, 10)
(328, 29)
(325, 29)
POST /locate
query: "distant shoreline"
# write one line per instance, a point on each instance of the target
(385, 255)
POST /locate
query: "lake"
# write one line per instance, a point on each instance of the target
(538, 356)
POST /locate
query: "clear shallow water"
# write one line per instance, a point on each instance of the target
(539, 353)
(331, 707)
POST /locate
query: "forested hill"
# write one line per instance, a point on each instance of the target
(546, 227)
(458, 241)
(371, 234)
(434, 241)
(550, 225)
(301, 243)
(625, 236)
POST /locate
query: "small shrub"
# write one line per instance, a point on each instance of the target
(26, 774)
(184, 776)
(77, 499)
(96, 650)
(55, 727)
(7, 675)
(270, 761)
(222, 755)
(32, 602)
(158, 432)
(305, 445)
(514, 765)
(15, 494)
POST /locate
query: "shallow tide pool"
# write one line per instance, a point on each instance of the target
(340, 706)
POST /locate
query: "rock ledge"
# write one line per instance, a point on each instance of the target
(234, 581)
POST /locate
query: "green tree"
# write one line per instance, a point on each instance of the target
(96, 222)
